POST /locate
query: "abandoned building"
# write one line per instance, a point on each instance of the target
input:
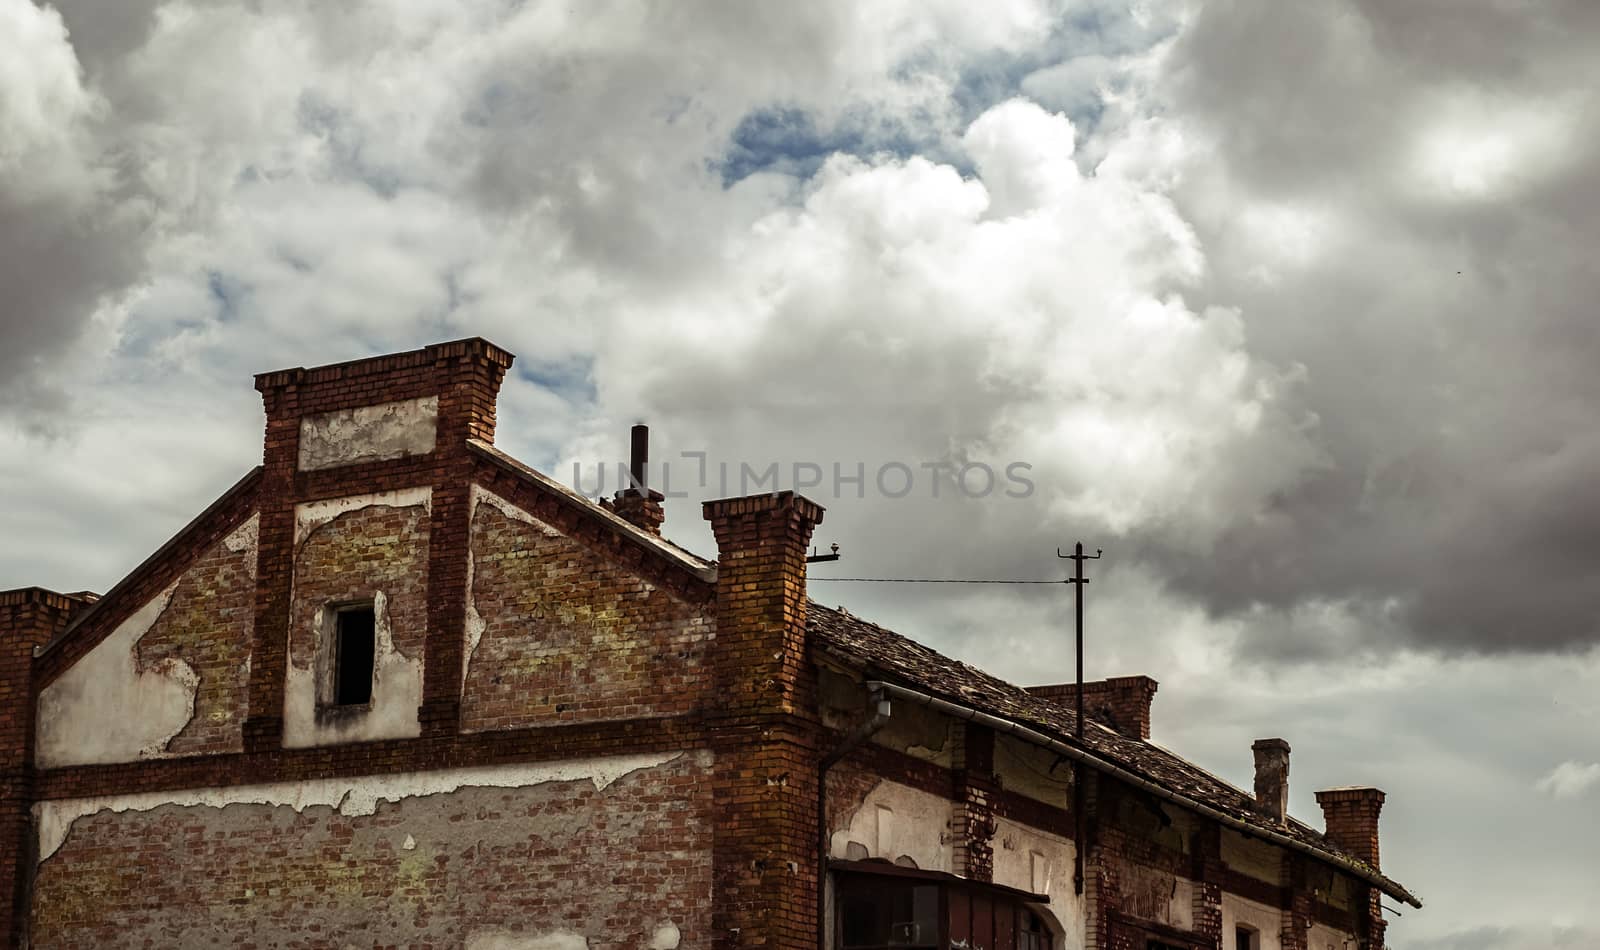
(396, 689)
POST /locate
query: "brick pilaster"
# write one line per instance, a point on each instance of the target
(1297, 915)
(973, 808)
(269, 654)
(29, 618)
(1209, 874)
(468, 375)
(765, 728)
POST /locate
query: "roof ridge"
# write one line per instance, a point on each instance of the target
(703, 569)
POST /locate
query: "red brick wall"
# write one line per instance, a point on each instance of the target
(571, 636)
(611, 864)
(207, 625)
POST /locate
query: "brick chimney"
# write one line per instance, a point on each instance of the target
(761, 596)
(1272, 778)
(639, 504)
(29, 618)
(1121, 702)
(1351, 814)
(1351, 818)
(763, 722)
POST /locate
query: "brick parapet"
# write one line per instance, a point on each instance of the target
(465, 376)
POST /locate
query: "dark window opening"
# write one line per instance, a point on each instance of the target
(887, 912)
(354, 647)
(1244, 938)
(1031, 933)
(890, 915)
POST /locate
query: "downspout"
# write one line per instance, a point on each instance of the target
(1123, 775)
(879, 704)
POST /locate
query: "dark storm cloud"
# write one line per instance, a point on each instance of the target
(1444, 160)
(68, 240)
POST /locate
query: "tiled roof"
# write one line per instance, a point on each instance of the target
(893, 658)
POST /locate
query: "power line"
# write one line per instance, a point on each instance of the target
(925, 580)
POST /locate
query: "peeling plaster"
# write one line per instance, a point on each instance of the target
(896, 821)
(476, 625)
(244, 538)
(396, 693)
(105, 709)
(481, 494)
(390, 430)
(311, 515)
(350, 796)
(505, 940)
(666, 937)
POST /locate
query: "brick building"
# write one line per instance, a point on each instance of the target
(396, 689)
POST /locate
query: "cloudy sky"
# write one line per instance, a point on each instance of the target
(1285, 306)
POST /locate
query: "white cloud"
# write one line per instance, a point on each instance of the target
(1570, 780)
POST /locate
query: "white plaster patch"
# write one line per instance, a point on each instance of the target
(484, 495)
(396, 693)
(390, 430)
(505, 940)
(244, 538)
(1041, 863)
(311, 515)
(917, 827)
(104, 709)
(410, 844)
(1267, 921)
(350, 796)
(666, 937)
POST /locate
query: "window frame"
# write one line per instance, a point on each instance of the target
(334, 656)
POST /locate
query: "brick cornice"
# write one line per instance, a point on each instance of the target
(544, 743)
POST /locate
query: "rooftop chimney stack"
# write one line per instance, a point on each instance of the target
(1121, 702)
(1272, 778)
(1351, 814)
(638, 503)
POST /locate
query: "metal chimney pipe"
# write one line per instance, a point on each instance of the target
(639, 458)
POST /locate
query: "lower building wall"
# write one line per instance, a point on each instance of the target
(596, 853)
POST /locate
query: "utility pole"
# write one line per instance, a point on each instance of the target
(1077, 557)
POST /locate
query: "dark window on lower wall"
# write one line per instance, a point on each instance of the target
(889, 914)
(354, 649)
(883, 913)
